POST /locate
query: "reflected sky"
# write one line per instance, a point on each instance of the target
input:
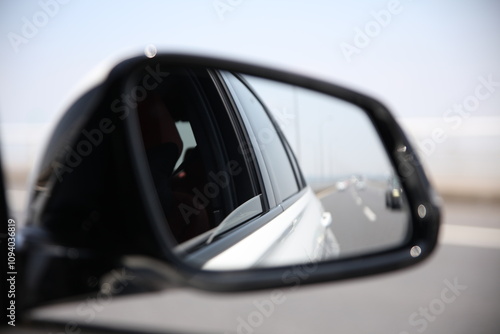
(330, 137)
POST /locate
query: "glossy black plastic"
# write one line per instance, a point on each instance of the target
(142, 231)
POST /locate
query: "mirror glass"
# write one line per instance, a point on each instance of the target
(253, 173)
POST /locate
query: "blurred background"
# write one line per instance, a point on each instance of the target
(435, 64)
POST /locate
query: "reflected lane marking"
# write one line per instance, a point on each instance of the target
(356, 197)
(470, 236)
(323, 193)
(369, 214)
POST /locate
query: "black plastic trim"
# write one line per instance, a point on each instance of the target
(291, 156)
(415, 184)
(404, 160)
(258, 159)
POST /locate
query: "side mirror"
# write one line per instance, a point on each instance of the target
(223, 176)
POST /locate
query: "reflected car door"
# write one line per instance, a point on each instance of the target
(296, 229)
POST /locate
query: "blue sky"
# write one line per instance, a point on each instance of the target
(420, 60)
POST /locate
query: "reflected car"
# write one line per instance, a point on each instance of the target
(358, 181)
(394, 194)
(342, 185)
(223, 207)
(360, 185)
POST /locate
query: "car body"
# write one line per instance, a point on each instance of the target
(283, 209)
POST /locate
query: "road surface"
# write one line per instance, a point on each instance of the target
(361, 222)
(411, 301)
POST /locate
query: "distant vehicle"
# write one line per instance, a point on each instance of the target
(393, 194)
(341, 185)
(360, 185)
(359, 182)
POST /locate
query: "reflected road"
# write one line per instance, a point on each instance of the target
(361, 220)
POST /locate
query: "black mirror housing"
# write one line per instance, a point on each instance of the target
(94, 208)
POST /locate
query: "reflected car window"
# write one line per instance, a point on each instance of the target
(275, 156)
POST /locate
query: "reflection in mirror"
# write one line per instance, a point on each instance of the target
(254, 173)
(344, 162)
